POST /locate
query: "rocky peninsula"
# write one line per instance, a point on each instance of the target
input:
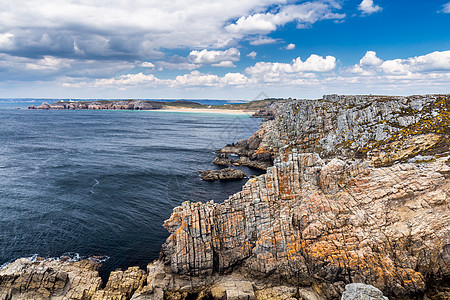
(258, 108)
(356, 190)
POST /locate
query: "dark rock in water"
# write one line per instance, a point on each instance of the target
(224, 174)
(360, 291)
(222, 160)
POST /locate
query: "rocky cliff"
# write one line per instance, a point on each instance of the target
(358, 192)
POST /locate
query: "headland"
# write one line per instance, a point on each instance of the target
(357, 190)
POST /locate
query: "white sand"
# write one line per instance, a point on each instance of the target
(206, 110)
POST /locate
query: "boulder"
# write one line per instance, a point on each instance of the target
(223, 174)
(360, 291)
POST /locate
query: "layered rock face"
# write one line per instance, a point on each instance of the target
(54, 279)
(359, 193)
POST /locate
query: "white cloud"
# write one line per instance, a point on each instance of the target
(428, 73)
(225, 64)
(234, 79)
(6, 40)
(432, 62)
(303, 14)
(214, 56)
(370, 59)
(446, 8)
(262, 41)
(315, 63)
(112, 28)
(368, 7)
(290, 47)
(147, 64)
(435, 61)
(279, 72)
(123, 80)
(176, 65)
(395, 66)
(252, 54)
(49, 63)
(195, 78)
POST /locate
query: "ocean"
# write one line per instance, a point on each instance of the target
(85, 183)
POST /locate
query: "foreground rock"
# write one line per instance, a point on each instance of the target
(223, 174)
(360, 291)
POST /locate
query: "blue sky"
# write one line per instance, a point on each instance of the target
(223, 49)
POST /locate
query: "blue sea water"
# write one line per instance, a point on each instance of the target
(103, 182)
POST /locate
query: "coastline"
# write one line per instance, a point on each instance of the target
(206, 110)
(320, 220)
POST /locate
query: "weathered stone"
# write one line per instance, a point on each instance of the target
(223, 174)
(360, 291)
(222, 160)
(24, 279)
(326, 213)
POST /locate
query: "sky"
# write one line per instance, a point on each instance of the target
(222, 49)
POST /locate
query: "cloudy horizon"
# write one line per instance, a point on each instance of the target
(222, 49)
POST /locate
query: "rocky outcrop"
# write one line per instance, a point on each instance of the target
(223, 174)
(250, 151)
(58, 279)
(222, 160)
(342, 202)
(310, 219)
(358, 192)
(45, 279)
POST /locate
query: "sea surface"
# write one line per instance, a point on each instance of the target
(102, 182)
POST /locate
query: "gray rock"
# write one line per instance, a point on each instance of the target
(360, 291)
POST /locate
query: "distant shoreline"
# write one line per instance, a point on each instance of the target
(206, 110)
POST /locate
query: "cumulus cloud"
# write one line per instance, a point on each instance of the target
(215, 57)
(367, 7)
(315, 63)
(303, 14)
(234, 79)
(432, 62)
(276, 72)
(290, 47)
(370, 59)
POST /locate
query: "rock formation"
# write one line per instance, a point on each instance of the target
(341, 204)
(223, 174)
(222, 160)
(360, 291)
(358, 193)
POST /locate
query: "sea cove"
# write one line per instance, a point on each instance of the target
(102, 182)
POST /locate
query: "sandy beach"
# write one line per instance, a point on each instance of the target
(207, 110)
